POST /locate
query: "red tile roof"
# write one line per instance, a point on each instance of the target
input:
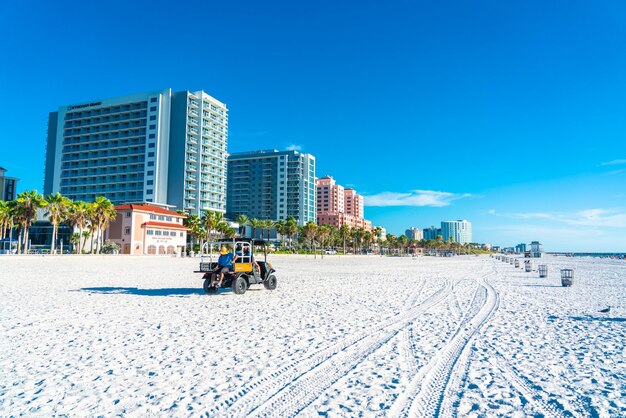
(147, 208)
(164, 225)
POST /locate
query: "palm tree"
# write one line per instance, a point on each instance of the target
(195, 229)
(255, 224)
(403, 242)
(26, 210)
(104, 213)
(77, 217)
(226, 230)
(243, 221)
(85, 235)
(291, 228)
(323, 234)
(6, 218)
(218, 217)
(333, 236)
(309, 231)
(70, 221)
(223, 229)
(92, 216)
(75, 239)
(344, 233)
(378, 233)
(208, 221)
(357, 235)
(266, 225)
(56, 211)
(438, 246)
(367, 239)
(281, 228)
(391, 242)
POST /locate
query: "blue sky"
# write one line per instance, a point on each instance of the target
(509, 114)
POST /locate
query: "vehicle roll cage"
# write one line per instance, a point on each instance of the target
(236, 244)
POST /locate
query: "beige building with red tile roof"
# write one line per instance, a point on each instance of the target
(143, 228)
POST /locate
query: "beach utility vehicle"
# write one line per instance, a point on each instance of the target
(245, 271)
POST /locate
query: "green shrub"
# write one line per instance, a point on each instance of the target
(110, 247)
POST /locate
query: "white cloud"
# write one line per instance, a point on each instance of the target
(294, 147)
(413, 198)
(533, 215)
(599, 217)
(614, 172)
(615, 218)
(543, 231)
(614, 162)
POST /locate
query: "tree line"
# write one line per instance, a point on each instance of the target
(310, 236)
(313, 237)
(91, 219)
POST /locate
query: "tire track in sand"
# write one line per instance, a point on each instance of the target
(425, 393)
(538, 399)
(408, 347)
(293, 387)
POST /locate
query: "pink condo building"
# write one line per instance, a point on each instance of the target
(339, 206)
(143, 228)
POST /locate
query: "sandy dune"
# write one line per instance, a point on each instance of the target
(343, 336)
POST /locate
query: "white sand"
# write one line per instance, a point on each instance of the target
(343, 336)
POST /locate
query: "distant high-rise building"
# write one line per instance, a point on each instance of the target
(354, 205)
(330, 196)
(459, 231)
(161, 147)
(414, 234)
(272, 185)
(8, 186)
(431, 233)
(520, 248)
(338, 206)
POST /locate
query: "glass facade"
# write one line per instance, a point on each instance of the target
(206, 143)
(104, 152)
(458, 231)
(160, 147)
(272, 185)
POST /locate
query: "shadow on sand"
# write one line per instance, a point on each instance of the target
(143, 292)
(598, 318)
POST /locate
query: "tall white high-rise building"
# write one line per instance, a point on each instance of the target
(459, 231)
(414, 233)
(198, 162)
(159, 146)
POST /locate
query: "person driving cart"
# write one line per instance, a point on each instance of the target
(245, 257)
(224, 265)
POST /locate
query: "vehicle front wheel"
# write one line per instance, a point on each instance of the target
(207, 286)
(270, 283)
(240, 285)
